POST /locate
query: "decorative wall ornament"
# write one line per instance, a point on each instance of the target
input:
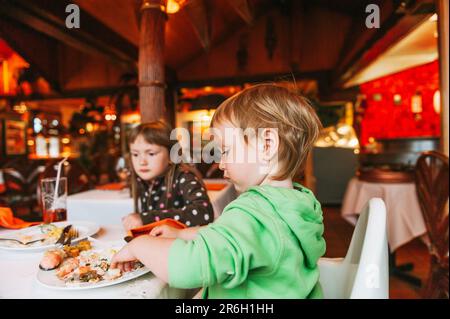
(416, 103)
(437, 102)
(377, 97)
(271, 37)
(397, 99)
(242, 52)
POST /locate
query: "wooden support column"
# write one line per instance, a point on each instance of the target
(443, 18)
(151, 60)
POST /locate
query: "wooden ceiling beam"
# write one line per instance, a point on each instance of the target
(244, 10)
(400, 21)
(322, 77)
(27, 42)
(78, 93)
(200, 20)
(93, 37)
(229, 33)
(357, 7)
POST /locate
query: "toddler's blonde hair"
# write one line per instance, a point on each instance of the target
(274, 106)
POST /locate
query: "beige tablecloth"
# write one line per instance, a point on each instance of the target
(404, 216)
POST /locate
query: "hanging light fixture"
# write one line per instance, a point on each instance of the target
(173, 6)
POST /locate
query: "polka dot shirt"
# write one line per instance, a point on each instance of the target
(187, 202)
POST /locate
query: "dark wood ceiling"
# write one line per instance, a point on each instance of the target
(312, 38)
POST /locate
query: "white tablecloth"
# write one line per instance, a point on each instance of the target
(108, 207)
(404, 216)
(18, 278)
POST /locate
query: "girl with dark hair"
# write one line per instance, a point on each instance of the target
(162, 189)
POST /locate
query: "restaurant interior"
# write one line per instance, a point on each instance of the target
(75, 80)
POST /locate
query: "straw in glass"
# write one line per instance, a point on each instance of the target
(58, 176)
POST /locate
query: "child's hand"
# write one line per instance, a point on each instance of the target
(165, 231)
(131, 221)
(124, 259)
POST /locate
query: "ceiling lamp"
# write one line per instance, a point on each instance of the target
(173, 6)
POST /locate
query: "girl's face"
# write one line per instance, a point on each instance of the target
(149, 160)
(240, 161)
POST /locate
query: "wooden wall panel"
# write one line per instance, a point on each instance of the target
(81, 71)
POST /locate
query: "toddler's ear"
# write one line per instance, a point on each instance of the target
(270, 143)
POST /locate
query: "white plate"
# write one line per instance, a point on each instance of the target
(48, 278)
(85, 229)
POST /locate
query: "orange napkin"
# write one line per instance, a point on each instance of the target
(146, 229)
(215, 186)
(111, 187)
(8, 220)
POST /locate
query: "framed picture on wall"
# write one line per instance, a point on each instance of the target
(15, 137)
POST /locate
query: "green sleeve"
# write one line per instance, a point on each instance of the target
(224, 252)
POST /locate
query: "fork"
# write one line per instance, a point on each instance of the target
(72, 233)
(66, 237)
(21, 242)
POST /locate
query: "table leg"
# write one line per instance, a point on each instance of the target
(401, 271)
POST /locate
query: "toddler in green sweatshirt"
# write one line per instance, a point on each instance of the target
(267, 242)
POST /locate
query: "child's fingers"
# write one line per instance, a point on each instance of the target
(115, 263)
(157, 231)
(126, 223)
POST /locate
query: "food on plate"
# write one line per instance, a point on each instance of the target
(74, 250)
(50, 232)
(81, 264)
(43, 235)
(54, 257)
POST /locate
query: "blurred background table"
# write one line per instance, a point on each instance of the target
(404, 217)
(107, 207)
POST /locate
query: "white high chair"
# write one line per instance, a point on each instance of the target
(364, 272)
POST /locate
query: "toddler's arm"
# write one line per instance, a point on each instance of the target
(153, 252)
(189, 233)
(165, 231)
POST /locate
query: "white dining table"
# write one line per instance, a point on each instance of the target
(404, 216)
(18, 271)
(107, 207)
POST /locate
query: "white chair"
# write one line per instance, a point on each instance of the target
(364, 272)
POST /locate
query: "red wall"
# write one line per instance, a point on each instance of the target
(384, 119)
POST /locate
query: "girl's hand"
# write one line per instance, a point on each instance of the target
(131, 221)
(124, 259)
(165, 232)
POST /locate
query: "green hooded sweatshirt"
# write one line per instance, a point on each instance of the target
(266, 244)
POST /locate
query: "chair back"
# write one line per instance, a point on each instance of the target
(364, 272)
(78, 178)
(432, 191)
(18, 180)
